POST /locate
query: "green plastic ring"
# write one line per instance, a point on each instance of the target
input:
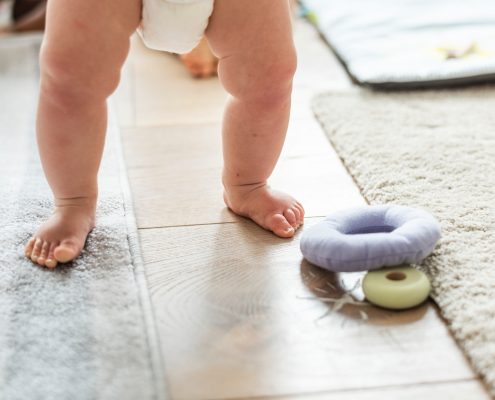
(396, 288)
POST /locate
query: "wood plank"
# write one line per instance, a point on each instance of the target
(318, 68)
(175, 173)
(239, 315)
(165, 93)
(158, 145)
(452, 390)
(123, 98)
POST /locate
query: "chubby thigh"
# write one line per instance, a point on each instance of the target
(89, 35)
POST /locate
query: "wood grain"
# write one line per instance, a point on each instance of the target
(175, 173)
(240, 314)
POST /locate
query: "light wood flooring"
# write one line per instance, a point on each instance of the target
(239, 313)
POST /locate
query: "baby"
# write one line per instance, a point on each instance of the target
(87, 41)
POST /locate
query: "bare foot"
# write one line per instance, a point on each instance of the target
(201, 62)
(62, 237)
(272, 210)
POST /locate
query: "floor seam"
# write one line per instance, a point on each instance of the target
(145, 228)
(350, 390)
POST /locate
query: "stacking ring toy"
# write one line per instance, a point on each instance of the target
(396, 288)
(371, 237)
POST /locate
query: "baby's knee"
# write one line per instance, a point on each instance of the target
(277, 77)
(264, 81)
(72, 81)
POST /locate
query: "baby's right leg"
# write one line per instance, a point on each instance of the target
(85, 45)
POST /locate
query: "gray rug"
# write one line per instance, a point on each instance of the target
(84, 331)
(435, 150)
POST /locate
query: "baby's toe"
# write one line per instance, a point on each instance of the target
(45, 248)
(28, 250)
(66, 251)
(300, 208)
(50, 260)
(290, 216)
(279, 225)
(297, 213)
(36, 249)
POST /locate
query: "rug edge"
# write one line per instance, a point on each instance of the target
(153, 341)
(316, 109)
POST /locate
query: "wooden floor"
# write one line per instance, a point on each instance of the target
(240, 314)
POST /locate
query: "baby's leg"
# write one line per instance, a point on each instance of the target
(253, 40)
(85, 45)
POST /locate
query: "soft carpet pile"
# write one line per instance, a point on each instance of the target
(85, 330)
(435, 150)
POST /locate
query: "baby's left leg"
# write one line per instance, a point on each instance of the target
(257, 61)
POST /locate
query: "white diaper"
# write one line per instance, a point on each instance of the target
(174, 25)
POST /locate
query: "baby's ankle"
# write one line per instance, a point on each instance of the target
(86, 203)
(233, 189)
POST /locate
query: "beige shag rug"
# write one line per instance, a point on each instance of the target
(436, 150)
